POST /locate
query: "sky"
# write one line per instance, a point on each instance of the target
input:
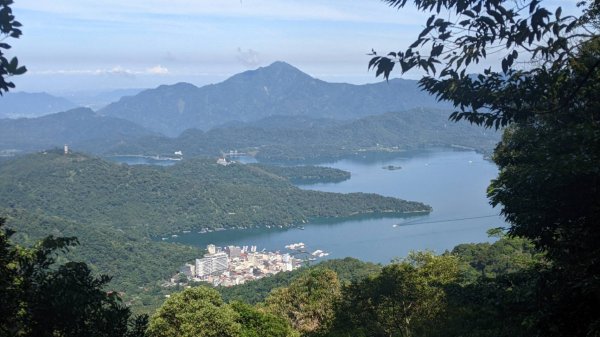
(93, 45)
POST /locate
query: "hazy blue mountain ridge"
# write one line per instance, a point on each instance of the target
(81, 128)
(278, 89)
(99, 99)
(24, 104)
(394, 131)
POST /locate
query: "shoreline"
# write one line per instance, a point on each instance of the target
(310, 221)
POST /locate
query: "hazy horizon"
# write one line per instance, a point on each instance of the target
(86, 45)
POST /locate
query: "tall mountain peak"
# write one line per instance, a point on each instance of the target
(276, 89)
(275, 72)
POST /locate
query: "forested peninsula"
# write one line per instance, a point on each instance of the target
(194, 194)
(117, 210)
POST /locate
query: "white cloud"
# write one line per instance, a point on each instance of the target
(157, 70)
(114, 71)
(249, 58)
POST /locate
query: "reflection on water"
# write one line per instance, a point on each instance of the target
(452, 182)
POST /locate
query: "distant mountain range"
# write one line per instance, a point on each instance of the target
(79, 127)
(24, 104)
(275, 138)
(31, 105)
(322, 139)
(277, 113)
(99, 99)
(278, 89)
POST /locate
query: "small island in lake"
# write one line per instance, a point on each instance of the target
(392, 167)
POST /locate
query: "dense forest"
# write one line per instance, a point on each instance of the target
(116, 210)
(193, 194)
(300, 175)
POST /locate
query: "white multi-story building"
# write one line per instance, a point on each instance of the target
(212, 264)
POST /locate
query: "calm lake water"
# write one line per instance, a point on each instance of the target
(453, 182)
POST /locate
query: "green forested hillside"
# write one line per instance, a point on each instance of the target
(131, 258)
(156, 200)
(307, 174)
(389, 132)
(116, 209)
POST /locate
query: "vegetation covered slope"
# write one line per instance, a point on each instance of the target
(191, 195)
(307, 174)
(115, 209)
(389, 132)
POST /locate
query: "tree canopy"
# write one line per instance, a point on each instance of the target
(544, 92)
(9, 28)
(460, 33)
(41, 298)
(309, 302)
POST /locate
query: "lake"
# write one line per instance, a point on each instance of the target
(453, 182)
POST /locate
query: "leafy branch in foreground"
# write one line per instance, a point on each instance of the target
(548, 185)
(461, 33)
(41, 298)
(9, 28)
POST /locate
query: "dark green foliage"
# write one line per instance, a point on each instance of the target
(496, 97)
(9, 28)
(135, 262)
(350, 269)
(402, 300)
(256, 323)
(193, 195)
(491, 307)
(428, 295)
(502, 257)
(41, 298)
(194, 312)
(307, 174)
(549, 189)
(549, 181)
(256, 291)
(309, 302)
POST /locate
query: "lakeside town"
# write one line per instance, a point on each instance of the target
(234, 265)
